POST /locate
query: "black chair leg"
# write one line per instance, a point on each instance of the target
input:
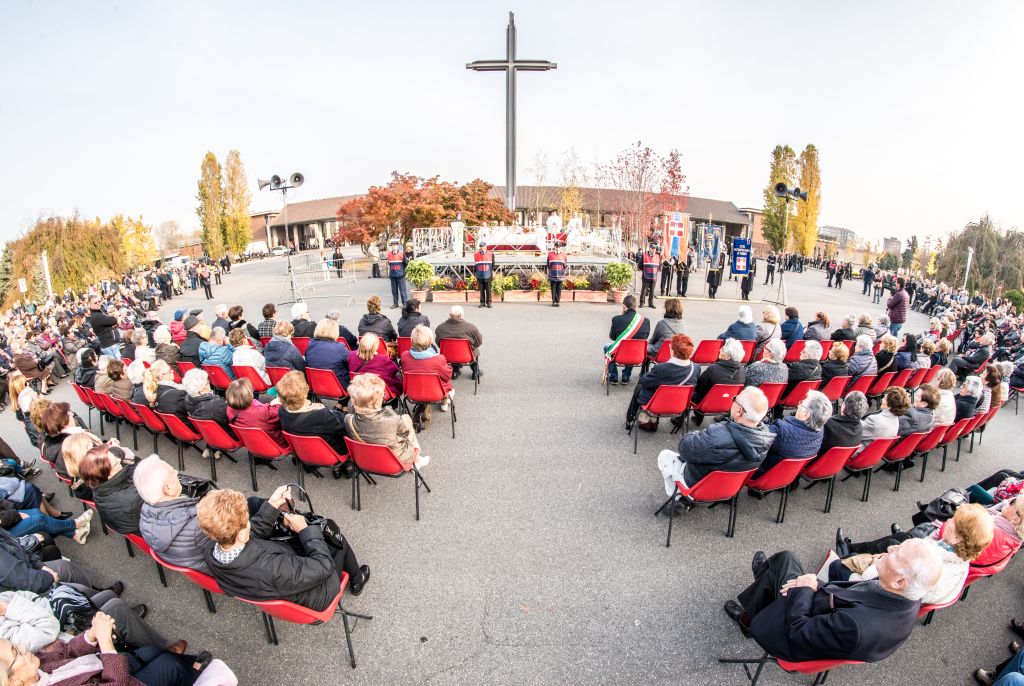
(345, 614)
(780, 517)
(416, 487)
(268, 625)
(733, 505)
(128, 544)
(213, 464)
(252, 472)
(899, 473)
(945, 452)
(867, 486)
(924, 465)
(160, 573)
(208, 597)
(828, 497)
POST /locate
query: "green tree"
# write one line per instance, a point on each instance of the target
(907, 258)
(783, 170)
(137, 243)
(6, 271)
(888, 262)
(804, 225)
(238, 227)
(211, 207)
(37, 291)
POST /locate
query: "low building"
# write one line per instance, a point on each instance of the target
(306, 224)
(259, 222)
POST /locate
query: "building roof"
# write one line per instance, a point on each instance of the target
(528, 197)
(324, 209)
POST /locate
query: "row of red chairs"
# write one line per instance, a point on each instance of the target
(725, 487)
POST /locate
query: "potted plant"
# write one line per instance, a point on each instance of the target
(518, 288)
(619, 276)
(584, 292)
(419, 273)
(443, 290)
(499, 284)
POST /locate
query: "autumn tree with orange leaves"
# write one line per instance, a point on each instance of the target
(408, 202)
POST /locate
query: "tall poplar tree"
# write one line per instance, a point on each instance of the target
(238, 227)
(6, 271)
(774, 219)
(805, 224)
(211, 207)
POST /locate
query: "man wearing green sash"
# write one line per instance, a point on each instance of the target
(629, 324)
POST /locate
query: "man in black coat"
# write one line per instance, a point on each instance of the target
(795, 617)
(189, 347)
(844, 430)
(728, 369)
(246, 565)
(630, 319)
(966, 364)
(105, 328)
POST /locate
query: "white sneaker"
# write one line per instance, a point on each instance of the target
(84, 519)
(81, 535)
(422, 461)
(445, 404)
(206, 453)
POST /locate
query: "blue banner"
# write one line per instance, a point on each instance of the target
(740, 255)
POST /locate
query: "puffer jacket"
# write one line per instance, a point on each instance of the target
(803, 370)
(178, 332)
(219, 355)
(663, 331)
(28, 621)
(172, 531)
(330, 355)
(723, 371)
(378, 324)
(189, 348)
(19, 570)
(208, 406)
(281, 352)
(862, 363)
(118, 502)
(724, 446)
(793, 438)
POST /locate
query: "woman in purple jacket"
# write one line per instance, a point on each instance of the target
(367, 360)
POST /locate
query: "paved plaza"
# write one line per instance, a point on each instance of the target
(537, 559)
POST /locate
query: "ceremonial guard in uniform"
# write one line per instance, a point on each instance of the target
(397, 261)
(747, 282)
(715, 276)
(483, 260)
(556, 272)
(668, 267)
(651, 263)
(683, 268)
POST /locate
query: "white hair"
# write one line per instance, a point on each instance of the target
(135, 371)
(864, 343)
(218, 332)
(850, 319)
(973, 385)
(457, 312)
(754, 403)
(777, 349)
(101, 364)
(745, 315)
(922, 567)
(162, 334)
(812, 350)
(299, 309)
(196, 382)
(733, 349)
(819, 407)
(150, 476)
(221, 310)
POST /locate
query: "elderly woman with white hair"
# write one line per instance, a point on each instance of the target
(202, 403)
(304, 326)
(862, 361)
(846, 332)
(728, 369)
(808, 367)
(768, 329)
(882, 327)
(167, 519)
(371, 422)
(166, 349)
(969, 398)
(424, 358)
(743, 328)
(866, 326)
(798, 435)
(136, 373)
(772, 368)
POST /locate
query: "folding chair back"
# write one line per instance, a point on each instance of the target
(423, 387)
(314, 451)
(153, 422)
(882, 382)
(325, 384)
(772, 391)
(930, 374)
(219, 379)
(717, 486)
(916, 379)
(932, 439)
(301, 343)
(456, 350)
(719, 399)
(277, 373)
(259, 443)
(799, 392)
(905, 447)
(707, 351)
(829, 464)
(215, 435)
(833, 390)
(247, 372)
(862, 384)
(793, 354)
(404, 344)
(748, 350)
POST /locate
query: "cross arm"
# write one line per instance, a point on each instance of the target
(534, 65)
(488, 65)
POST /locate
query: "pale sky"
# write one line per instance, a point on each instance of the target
(915, 106)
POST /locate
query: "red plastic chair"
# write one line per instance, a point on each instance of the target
(260, 446)
(717, 401)
(219, 379)
(133, 419)
(953, 433)
(155, 425)
(140, 543)
(915, 380)
(277, 373)
(427, 389)
(876, 347)
(707, 351)
(778, 478)
(882, 382)
(110, 407)
(182, 434)
(902, 377)
(862, 383)
(928, 444)
(667, 401)
(631, 352)
(297, 614)
(94, 398)
(826, 468)
(833, 390)
(717, 487)
(301, 342)
(264, 340)
(184, 367)
(799, 392)
(793, 354)
(773, 391)
(380, 460)
(216, 439)
(930, 374)
(205, 582)
(898, 452)
(342, 340)
(87, 401)
(325, 384)
(664, 354)
(404, 345)
(251, 373)
(748, 351)
(866, 462)
(458, 351)
(820, 668)
(928, 611)
(826, 348)
(315, 452)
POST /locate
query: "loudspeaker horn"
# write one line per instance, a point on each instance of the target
(781, 189)
(297, 179)
(263, 183)
(275, 182)
(798, 194)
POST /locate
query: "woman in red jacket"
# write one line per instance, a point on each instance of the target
(367, 360)
(246, 411)
(424, 358)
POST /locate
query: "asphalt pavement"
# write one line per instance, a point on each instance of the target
(538, 558)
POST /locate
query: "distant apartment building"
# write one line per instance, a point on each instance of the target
(891, 246)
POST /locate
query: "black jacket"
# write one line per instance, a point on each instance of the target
(378, 324)
(86, 376)
(723, 371)
(916, 420)
(842, 432)
(103, 325)
(666, 374)
(831, 368)
(621, 321)
(118, 502)
(977, 355)
(724, 446)
(845, 620)
(316, 421)
(303, 328)
(209, 406)
(966, 406)
(844, 335)
(802, 370)
(189, 348)
(272, 570)
(407, 324)
(172, 401)
(19, 570)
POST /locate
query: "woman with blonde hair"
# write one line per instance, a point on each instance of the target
(366, 360)
(298, 415)
(72, 450)
(945, 413)
(371, 422)
(280, 351)
(162, 393)
(886, 355)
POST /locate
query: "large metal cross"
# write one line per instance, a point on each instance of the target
(510, 65)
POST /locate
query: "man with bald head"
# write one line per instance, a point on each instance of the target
(736, 445)
(796, 616)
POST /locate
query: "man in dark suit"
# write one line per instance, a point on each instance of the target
(629, 324)
(795, 617)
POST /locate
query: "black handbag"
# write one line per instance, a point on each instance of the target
(195, 486)
(330, 529)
